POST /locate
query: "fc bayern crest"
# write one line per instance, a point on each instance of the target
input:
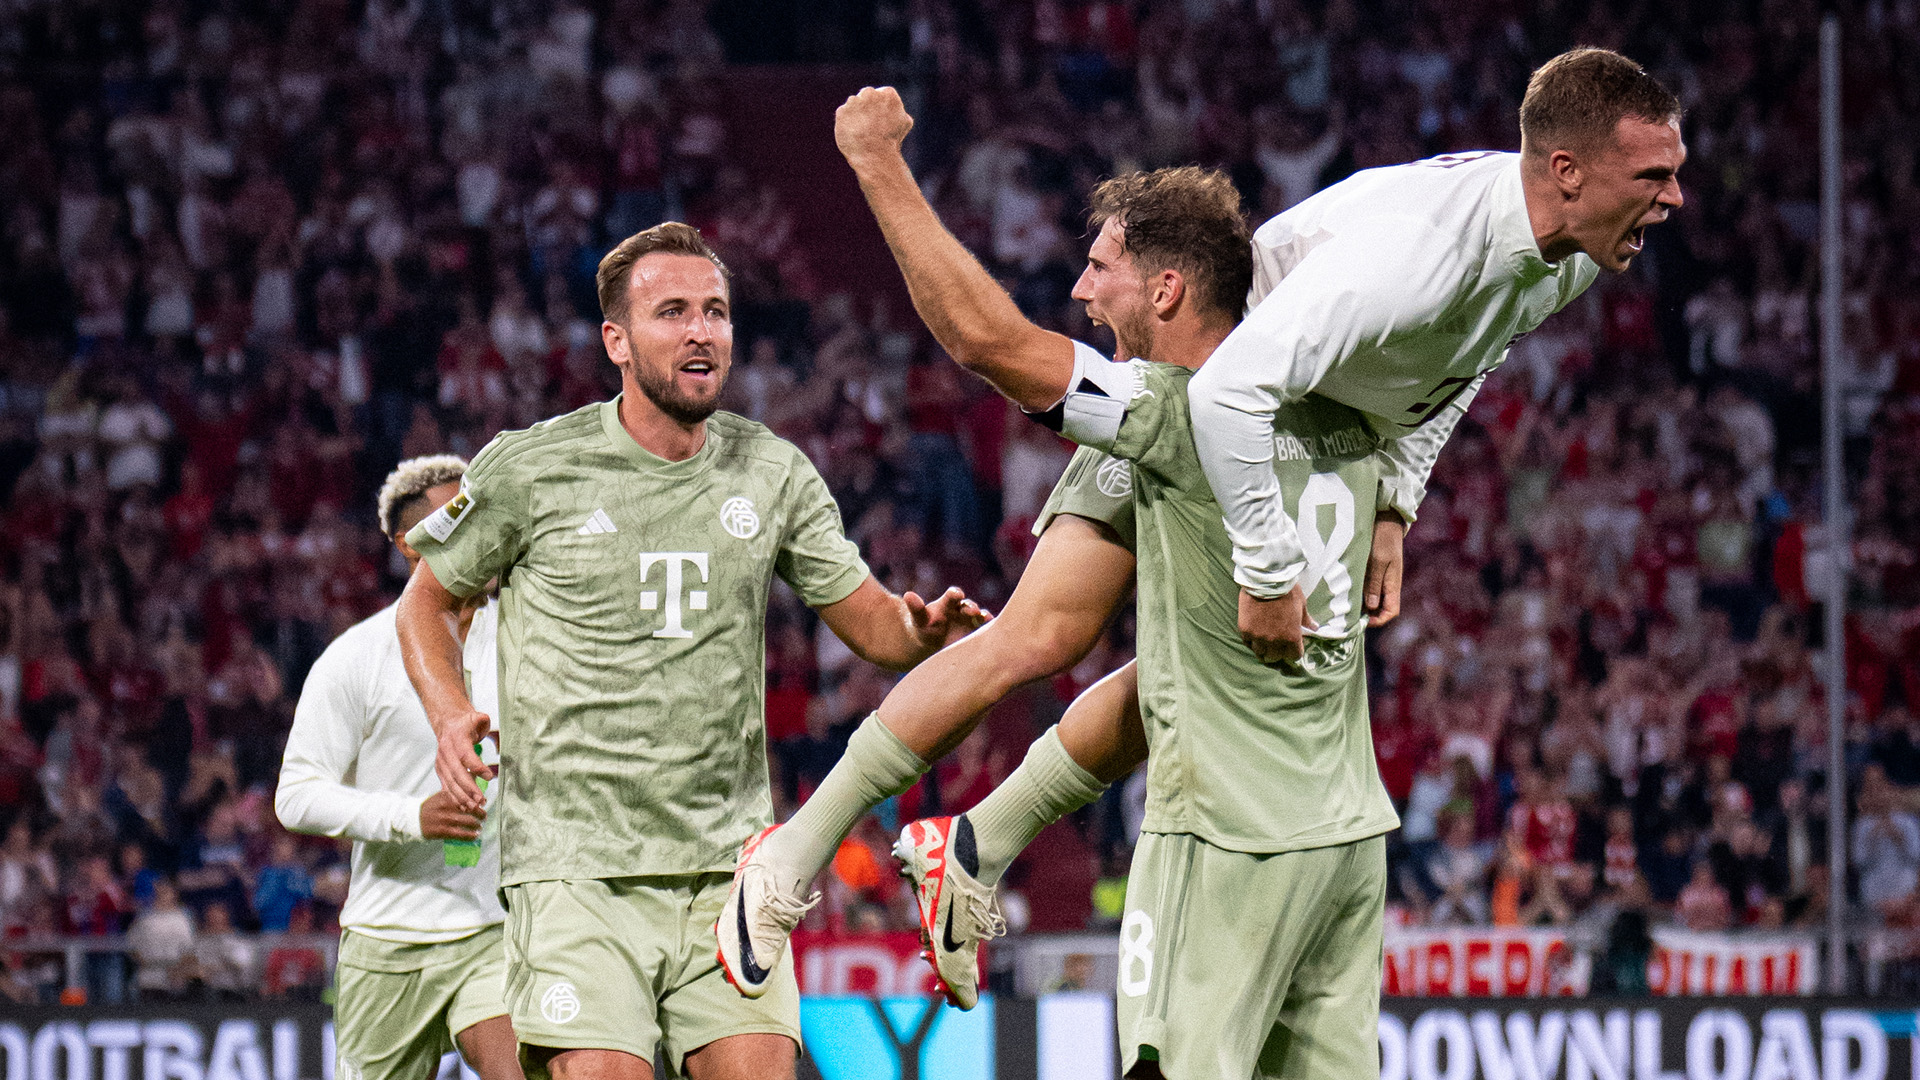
(1114, 478)
(737, 516)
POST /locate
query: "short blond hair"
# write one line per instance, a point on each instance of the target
(411, 479)
(672, 237)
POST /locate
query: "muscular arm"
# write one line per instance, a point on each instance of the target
(430, 648)
(898, 632)
(971, 316)
(1076, 580)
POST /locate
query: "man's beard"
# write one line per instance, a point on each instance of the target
(1133, 336)
(669, 399)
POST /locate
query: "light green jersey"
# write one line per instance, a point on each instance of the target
(1247, 756)
(633, 606)
(1095, 486)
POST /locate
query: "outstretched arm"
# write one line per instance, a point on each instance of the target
(968, 312)
(897, 632)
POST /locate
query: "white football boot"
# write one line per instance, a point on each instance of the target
(756, 921)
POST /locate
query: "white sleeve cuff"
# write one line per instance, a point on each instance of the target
(1401, 494)
(406, 817)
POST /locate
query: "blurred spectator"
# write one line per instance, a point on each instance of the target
(294, 968)
(162, 940)
(1886, 849)
(281, 885)
(223, 959)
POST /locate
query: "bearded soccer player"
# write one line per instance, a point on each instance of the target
(635, 541)
(1252, 939)
(421, 966)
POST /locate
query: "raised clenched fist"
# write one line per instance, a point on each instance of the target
(873, 121)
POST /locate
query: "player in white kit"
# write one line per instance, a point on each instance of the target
(421, 967)
(1396, 290)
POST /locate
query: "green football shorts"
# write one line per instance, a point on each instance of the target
(631, 964)
(1242, 965)
(398, 1007)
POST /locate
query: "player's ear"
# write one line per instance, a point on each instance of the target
(1169, 288)
(1566, 171)
(614, 337)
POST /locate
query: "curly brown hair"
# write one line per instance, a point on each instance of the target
(672, 237)
(1576, 101)
(1186, 219)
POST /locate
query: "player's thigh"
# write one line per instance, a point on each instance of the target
(743, 1057)
(703, 1019)
(477, 1015)
(389, 1020)
(1102, 730)
(1330, 1019)
(1208, 949)
(584, 964)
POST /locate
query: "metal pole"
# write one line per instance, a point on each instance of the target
(1835, 508)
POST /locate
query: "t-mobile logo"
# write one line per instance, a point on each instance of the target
(696, 598)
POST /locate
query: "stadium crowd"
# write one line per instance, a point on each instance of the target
(254, 254)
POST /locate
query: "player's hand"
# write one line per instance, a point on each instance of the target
(440, 819)
(457, 764)
(1383, 568)
(948, 619)
(1276, 629)
(873, 121)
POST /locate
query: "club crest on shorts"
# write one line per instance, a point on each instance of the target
(1114, 478)
(561, 1003)
(737, 516)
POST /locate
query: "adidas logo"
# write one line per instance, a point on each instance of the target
(597, 524)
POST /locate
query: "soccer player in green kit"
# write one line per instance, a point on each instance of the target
(1251, 944)
(635, 541)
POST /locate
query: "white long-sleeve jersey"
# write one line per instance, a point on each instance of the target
(1394, 291)
(359, 763)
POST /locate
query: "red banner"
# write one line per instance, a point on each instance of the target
(1475, 962)
(1685, 962)
(1482, 963)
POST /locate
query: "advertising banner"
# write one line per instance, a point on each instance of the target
(1740, 1038)
(1474, 962)
(1070, 1037)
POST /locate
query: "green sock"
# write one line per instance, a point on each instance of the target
(1046, 787)
(876, 766)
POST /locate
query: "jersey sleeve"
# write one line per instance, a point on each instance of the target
(1355, 289)
(1095, 486)
(483, 530)
(329, 726)
(816, 558)
(1407, 461)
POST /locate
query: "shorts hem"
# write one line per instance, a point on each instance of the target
(679, 1055)
(458, 1025)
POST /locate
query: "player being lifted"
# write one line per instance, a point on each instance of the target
(1396, 290)
(421, 963)
(635, 542)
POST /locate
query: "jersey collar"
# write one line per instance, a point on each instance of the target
(622, 443)
(1513, 238)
